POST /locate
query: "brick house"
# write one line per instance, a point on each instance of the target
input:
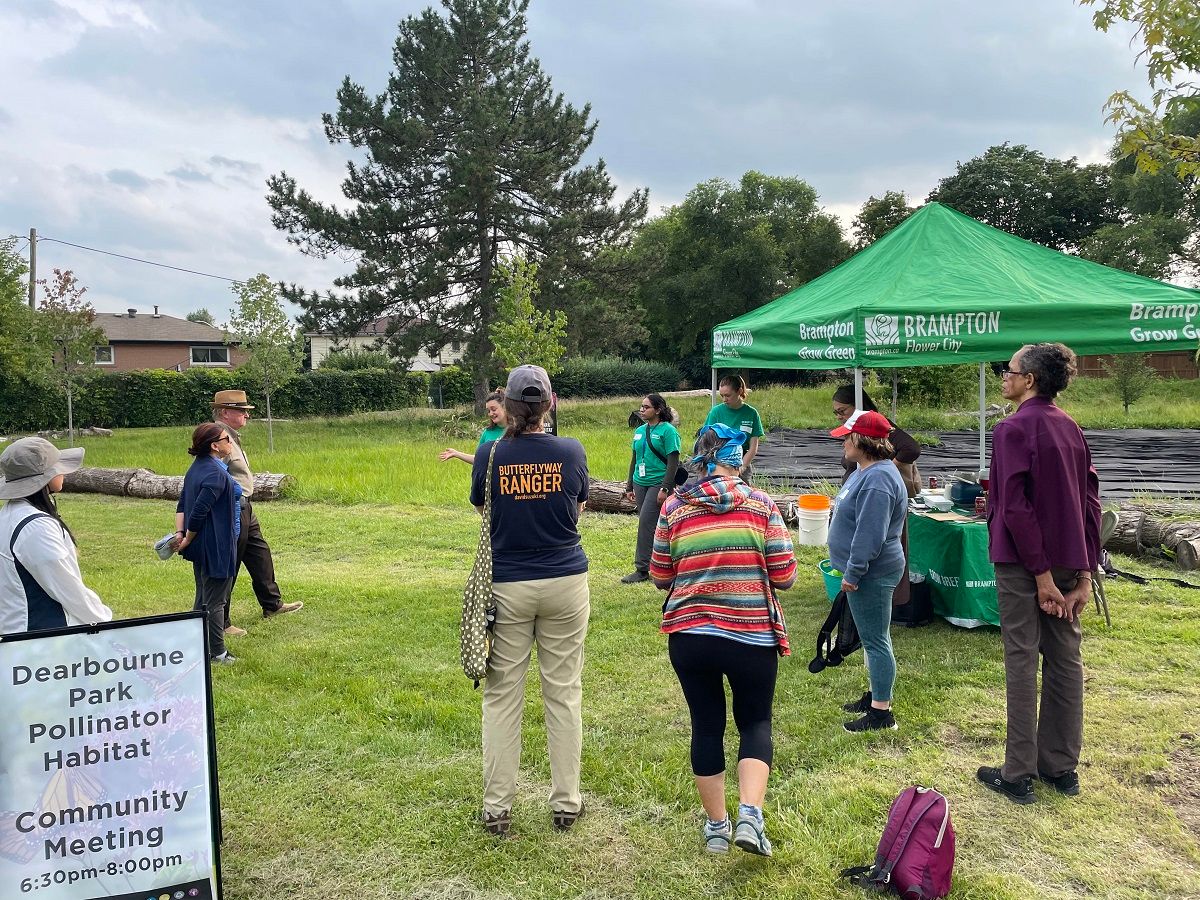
(155, 341)
(322, 343)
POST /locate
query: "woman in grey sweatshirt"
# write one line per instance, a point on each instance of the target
(864, 543)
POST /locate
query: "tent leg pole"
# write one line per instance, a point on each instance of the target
(714, 387)
(858, 389)
(895, 393)
(982, 416)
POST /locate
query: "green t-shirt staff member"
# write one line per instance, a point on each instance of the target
(739, 415)
(651, 476)
(494, 405)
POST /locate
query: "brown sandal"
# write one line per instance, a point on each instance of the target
(498, 824)
(564, 820)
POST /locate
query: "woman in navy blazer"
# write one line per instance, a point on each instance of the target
(208, 520)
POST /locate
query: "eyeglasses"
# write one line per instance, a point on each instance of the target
(225, 438)
(1006, 371)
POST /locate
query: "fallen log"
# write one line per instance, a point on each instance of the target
(147, 485)
(609, 497)
(1142, 533)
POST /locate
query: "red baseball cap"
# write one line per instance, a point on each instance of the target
(866, 422)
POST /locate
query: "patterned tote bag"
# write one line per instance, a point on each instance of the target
(478, 611)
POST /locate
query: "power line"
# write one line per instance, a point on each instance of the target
(147, 262)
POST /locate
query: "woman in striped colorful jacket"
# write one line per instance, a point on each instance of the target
(721, 550)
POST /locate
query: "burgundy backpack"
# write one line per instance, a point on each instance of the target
(916, 852)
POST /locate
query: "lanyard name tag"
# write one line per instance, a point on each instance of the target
(641, 470)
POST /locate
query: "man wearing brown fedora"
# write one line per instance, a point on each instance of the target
(231, 411)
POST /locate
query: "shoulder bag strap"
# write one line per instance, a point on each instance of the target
(911, 822)
(486, 535)
(650, 444)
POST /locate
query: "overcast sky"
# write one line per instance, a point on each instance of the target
(148, 127)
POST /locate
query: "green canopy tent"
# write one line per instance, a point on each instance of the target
(942, 288)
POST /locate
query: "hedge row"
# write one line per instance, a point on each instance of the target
(612, 377)
(577, 378)
(153, 397)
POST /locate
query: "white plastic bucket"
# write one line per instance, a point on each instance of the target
(813, 528)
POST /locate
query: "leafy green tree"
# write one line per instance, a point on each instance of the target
(725, 250)
(65, 325)
(1053, 202)
(1149, 245)
(1169, 31)
(468, 153)
(878, 216)
(203, 316)
(19, 353)
(1131, 377)
(604, 317)
(522, 333)
(273, 348)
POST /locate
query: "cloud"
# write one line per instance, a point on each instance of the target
(148, 128)
(238, 165)
(190, 173)
(128, 178)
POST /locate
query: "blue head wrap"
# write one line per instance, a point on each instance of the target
(728, 454)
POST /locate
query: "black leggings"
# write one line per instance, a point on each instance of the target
(700, 661)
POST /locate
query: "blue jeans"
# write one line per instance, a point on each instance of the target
(871, 607)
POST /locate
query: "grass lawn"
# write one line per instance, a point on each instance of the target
(349, 740)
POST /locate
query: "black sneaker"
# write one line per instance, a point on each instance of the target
(861, 705)
(874, 720)
(1016, 791)
(1067, 783)
(635, 576)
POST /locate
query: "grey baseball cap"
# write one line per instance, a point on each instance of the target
(28, 465)
(529, 383)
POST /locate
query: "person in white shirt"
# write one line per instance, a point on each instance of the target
(40, 583)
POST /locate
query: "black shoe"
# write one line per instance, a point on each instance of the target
(874, 720)
(635, 576)
(1016, 791)
(1067, 783)
(861, 705)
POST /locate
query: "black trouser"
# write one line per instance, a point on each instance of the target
(212, 596)
(255, 555)
(702, 661)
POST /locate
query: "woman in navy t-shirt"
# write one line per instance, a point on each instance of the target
(539, 584)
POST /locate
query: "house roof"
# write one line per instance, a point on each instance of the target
(150, 328)
(374, 328)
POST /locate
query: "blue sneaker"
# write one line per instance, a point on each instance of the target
(750, 833)
(717, 835)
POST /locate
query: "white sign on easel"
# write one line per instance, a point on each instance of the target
(108, 782)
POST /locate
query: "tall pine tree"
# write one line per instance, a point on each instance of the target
(469, 154)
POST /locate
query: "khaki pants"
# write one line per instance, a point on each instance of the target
(1049, 739)
(552, 612)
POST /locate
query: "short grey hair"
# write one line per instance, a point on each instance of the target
(1052, 366)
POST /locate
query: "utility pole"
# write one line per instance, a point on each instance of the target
(33, 268)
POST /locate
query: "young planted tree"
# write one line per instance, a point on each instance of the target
(1130, 376)
(523, 334)
(468, 154)
(64, 325)
(273, 348)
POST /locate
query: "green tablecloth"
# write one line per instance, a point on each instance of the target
(953, 557)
